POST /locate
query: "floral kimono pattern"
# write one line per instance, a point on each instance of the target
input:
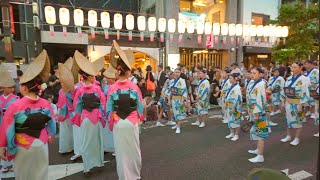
(225, 85)
(234, 106)
(203, 91)
(275, 84)
(313, 76)
(256, 104)
(316, 120)
(178, 94)
(296, 92)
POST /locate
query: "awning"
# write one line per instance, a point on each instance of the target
(254, 49)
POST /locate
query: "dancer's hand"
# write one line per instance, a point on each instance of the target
(3, 154)
(299, 108)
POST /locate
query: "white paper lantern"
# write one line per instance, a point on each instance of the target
(232, 29)
(224, 29)
(50, 14)
(117, 21)
(105, 20)
(272, 31)
(253, 30)
(152, 26)
(216, 29)
(181, 27)
(141, 23)
(130, 22)
(92, 18)
(78, 17)
(260, 30)
(64, 16)
(200, 27)
(171, 28)
(278, 31)
(239, 30)
(190, 28)
(162, 24)
(245, 30)
(141, 26)
(266, 31)
(284, 31)
(207, 28)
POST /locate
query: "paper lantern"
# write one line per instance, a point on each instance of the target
(266, 33)
(152, 26)
(245, 32)
(78, 19)
(105, 23)
(253, 33)
(162, 23)
(200, 30)
(117, 22)
(171, 28)
(232, 32)
(190, 28)
(50, 15)
(130, 25)
(216, 32)
(284, 33)
(141, 26)
(207, 28)
(224, 32)
(92, 21)
(278, 31)
(259, 32)
(272, 34)
(64, 18)
(239, 32)
(181, 29)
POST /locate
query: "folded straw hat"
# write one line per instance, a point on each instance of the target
(69, 63)
(39, 67)
(66, 78)
(84, 64)
(116, 53)
(130, 56)
(110, 73)
(99, 63)
(6, 80)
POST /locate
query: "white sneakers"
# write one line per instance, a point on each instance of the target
(230, 136)
(286, 139)
(74, 157)
(272, 123)
(235, 138)
(174, 127)
(202, 125)
(178, 130)
(257, 159)
(159, 124)
(170, 123)
(197, 123)
(295, 142)
(316, 135)
(225, 121)
(253, 151)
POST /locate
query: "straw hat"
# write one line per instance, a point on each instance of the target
(84, 64)
(110, 73)
(69, 63)
(130, 56)
(6, 80)
(66, 78)
(39, 67)
(115, 53)
(99, 63)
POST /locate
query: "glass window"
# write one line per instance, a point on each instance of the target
(259, 19)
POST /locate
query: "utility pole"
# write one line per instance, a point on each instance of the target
(6, 21)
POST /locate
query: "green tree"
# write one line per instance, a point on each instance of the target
(303, 38)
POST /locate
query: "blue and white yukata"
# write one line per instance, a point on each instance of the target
(234, 103)
(203, 91)
(257, 103)
(108, 144)
(275, 84)
(296, 93)
(313, 76)
(225, 85)
(316, 97)
(178, 94)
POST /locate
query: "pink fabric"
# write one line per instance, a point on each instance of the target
(4, 101)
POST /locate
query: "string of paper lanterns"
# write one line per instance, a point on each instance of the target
(274, 33)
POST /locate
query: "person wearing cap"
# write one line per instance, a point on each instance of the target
(256, 103)
(163, 102)
(202, 99)
(110, 76)
(28, 125)
(7, 85)
(225, 85)
(178, 95)
(295, 94)
(275, 84)
(234, 107)
(313, 74)
(125, 112)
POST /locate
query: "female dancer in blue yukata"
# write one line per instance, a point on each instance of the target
(315, 95)
(312, 73)
(225, 85)
(275, 84)
(257, 103)
(202, 99)
(295, 93)
(7, 85)
(89, 103)
(178, 96)
(234, 107)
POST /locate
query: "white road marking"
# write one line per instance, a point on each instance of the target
(298, 175)
(56, 171)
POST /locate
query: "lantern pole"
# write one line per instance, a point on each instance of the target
(5, 10)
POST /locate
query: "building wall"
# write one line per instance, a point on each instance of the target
(269, 7)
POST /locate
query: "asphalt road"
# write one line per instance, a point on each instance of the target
(205, 154)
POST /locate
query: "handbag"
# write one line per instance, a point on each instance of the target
(151, 86)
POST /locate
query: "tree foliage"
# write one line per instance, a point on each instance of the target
(303, 38)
